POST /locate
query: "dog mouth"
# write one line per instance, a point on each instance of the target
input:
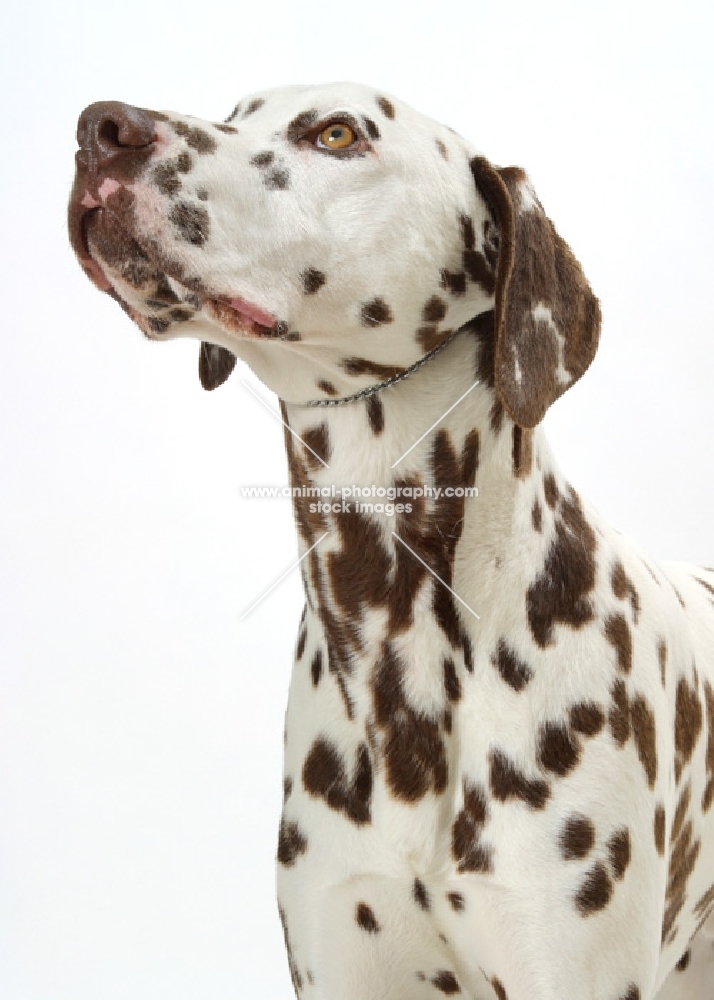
(173, 298)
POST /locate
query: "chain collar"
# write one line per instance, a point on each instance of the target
(372, 389)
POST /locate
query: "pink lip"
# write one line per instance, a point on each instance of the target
(253, 313)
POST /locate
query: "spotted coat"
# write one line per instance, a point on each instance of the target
(499, 743)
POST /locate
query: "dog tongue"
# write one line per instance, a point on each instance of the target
(253, 312)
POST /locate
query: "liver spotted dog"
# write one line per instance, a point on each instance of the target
(516, 805)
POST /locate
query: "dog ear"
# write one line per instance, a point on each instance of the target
(547, 322)
(214, 365)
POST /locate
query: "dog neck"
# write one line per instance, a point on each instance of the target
(414, 551)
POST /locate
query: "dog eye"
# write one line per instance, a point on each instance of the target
(336, 136)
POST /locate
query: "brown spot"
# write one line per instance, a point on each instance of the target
(376, 312)
(512, 669)
(684, 852)
(434, 310)
(263, 159)
(705, 583)
(158, 324)
(413, 748)
(550, 488)
(316, 668)
(684, 961)
(452, 684)
(166, 178)
(468, 653)
(456, 901)
(681, 812)
(446, 982)
(300, 125)
(537, 516)
(643, 730)
(191, 221)
(302, 639)
(364, 915)
(466, 846)
(467, 231)
(619, 715)
(181, 315)
(479, 270)
(595, 892)
(522, 452)
(196, 138)
(202, 194)
(587, 718)
(317, 441)
(227, 129)
(619, 850)
(421, 894)
(659, 829)
(359, 575)
(617, 633)
(326, 387)
(708, 796)
(687, 724)
(499, 988)
(662, 657)
(183, 162)
(371, 126)
(623, 587)
(361, 366)
(375, 414)
(577, 837)
(386, 107)
(324, 777)
(442, 148)
(495, 419)
(291, 843)
(277, 180)
(454, 282)
(255, 105)
(483, 333)
(558, 751)
(633, 993)
(163, 295)
(507, 782)
(312, 280)
(430, 337)
(558, 594)
(705, 904)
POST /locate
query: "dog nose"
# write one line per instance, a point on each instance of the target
(109, 132)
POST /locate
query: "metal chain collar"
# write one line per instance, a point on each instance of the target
(372, 389)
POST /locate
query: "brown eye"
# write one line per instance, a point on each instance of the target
(337, 136)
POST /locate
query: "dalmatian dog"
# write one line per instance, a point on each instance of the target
(499, 743)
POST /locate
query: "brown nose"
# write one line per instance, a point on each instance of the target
(110, 134)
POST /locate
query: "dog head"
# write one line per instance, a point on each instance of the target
(329, 236)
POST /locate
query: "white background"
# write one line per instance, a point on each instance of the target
(140, 721)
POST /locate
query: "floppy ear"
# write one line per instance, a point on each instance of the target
(214, 365)
(547, 321)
